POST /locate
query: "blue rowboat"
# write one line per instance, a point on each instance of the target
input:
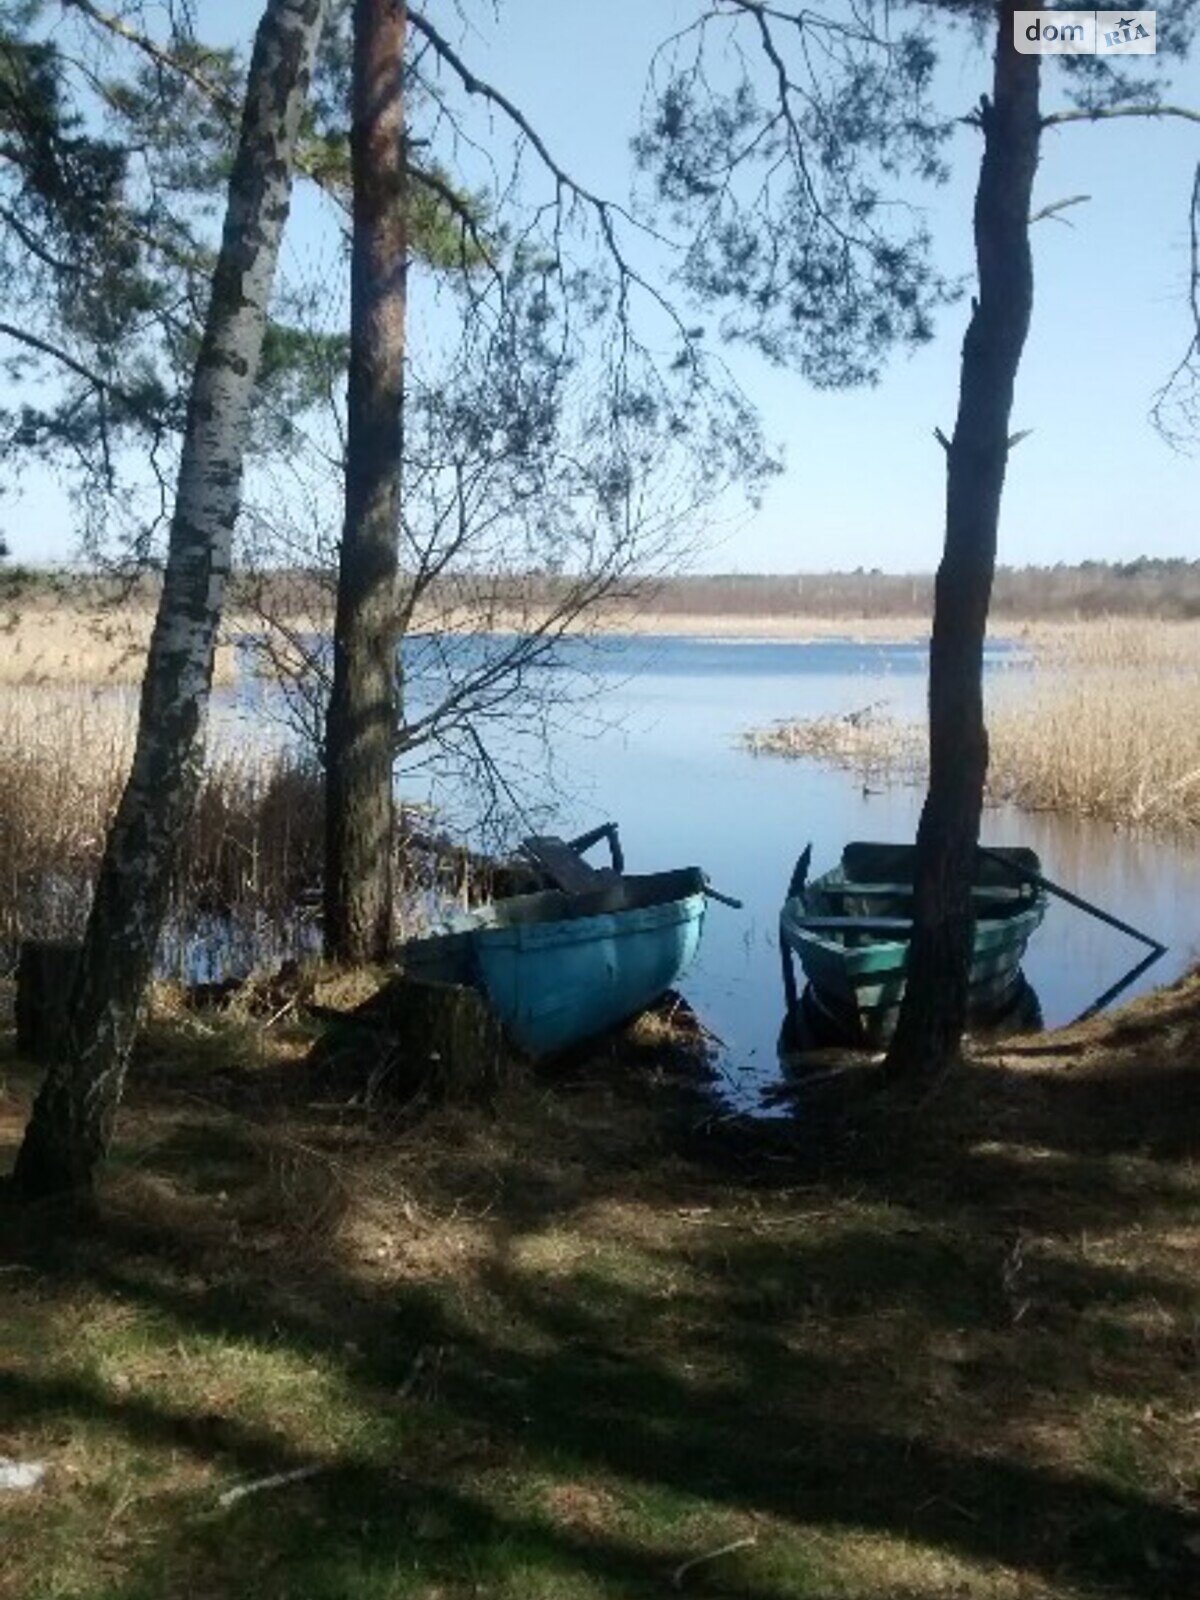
(850, 930)
(559, 968)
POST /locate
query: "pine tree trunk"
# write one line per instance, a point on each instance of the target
(934, 1013)
(72, 1122)
(364, 705)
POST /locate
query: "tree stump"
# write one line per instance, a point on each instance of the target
(45, 973)
(421, 1036)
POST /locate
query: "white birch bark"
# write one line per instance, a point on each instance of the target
(72, 1120)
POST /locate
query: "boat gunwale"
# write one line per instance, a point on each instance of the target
(630, 892)
(527, 935)
(1013, 908)
(794, 934)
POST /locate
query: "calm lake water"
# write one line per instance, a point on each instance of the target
(656, 747)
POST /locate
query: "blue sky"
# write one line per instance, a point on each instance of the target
(864, 476)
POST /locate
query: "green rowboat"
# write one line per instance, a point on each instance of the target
(850, 930)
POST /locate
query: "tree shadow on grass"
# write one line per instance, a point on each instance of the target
(350, 1527)
(713, 1396)
(763, 1376)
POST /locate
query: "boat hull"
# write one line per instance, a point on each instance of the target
(856, 975)
(819, 1023)
(558, 969)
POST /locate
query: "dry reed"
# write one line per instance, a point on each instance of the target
(1103, 724)
(253, 842)
(74, 642)
(868, 741)
(1103, 743)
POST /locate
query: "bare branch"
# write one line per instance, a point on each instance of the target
(604, 210)
(1056, 206)
(1182, 388)
(1104, 113)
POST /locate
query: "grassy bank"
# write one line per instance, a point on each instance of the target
(1103, 724)
(575, 1346)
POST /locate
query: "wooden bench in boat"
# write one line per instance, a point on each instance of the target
(1001, 894)
(561, 860)
(870, 925)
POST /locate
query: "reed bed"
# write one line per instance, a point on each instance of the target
(252, 847)
(246, 894)
(1103, 743)
(1110, 644)
(868, 741)
(1104, 723)
(73, 642)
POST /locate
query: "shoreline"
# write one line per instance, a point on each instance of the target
(92, 646)
(758, 628)
(79, 644)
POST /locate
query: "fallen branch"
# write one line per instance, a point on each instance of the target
(680, 1572)
(276, 1481)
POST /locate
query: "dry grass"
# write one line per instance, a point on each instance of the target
(64, 754)
(1107, 727)
(254, 840)
(867, 741)
(564, 1349)
(73, 642)
(1103, 724)
(1103, 743)
(1112, 644)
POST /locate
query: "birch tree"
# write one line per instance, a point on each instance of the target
(73, 1117)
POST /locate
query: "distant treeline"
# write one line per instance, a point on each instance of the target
(1147, 587)
(1142, 588)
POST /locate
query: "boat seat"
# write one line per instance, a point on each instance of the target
(874, 925)
(564, 866)
(906, 891)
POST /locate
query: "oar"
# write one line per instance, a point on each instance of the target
(725, 899)
(1028, 875)
(1118, 988)
(1157, 949)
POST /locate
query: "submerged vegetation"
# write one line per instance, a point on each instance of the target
(1102, 724)
(600, 1344)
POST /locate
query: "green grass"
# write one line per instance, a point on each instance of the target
(565, 1347)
